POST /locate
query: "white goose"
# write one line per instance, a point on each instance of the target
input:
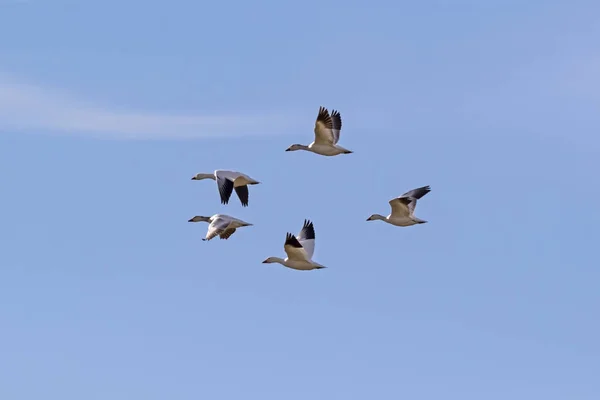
(403, 208)
(299, 250)
(327, 134)
(227, 181)
(220, 225)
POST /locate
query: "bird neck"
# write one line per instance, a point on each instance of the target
(199, 218)
(296, 147)
(205, 176)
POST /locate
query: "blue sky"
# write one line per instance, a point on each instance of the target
(108, 108)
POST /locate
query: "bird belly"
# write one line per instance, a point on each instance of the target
(241, 181)
(401, 221)
(299, 265)
(324, 149)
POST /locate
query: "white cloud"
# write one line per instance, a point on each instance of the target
(31, 108)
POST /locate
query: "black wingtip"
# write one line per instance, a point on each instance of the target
(308, 224)
(243, 194)
(418, 193)
(225, 189)
(308, 230)
(323, 112)
(291, 240)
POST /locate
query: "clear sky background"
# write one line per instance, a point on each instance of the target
(108, 108)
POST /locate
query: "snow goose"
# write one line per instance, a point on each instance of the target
(220, 225)
(229, 180)
(327, 134)
(299, 250)
(403, 208)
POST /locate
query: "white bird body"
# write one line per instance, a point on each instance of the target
(299, 250)
(397, 221)
(220, 225)
(403, 208)
(327, 134)
(300, 265)
(227, 181)
(327, 149)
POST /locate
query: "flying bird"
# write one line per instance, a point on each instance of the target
(227, 181)
(299, 250)
(220, 225)
(403, 208)
(327, 134)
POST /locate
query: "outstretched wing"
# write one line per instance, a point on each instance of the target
(401, 206)
(294, 249)
(418, 192)
(410, 198)
(324, 127)
(336, 120)
(225, 188)
(242, 192)
(226, 233)
(216, 227)
(306, 238)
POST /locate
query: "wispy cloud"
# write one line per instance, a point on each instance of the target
(32, 108)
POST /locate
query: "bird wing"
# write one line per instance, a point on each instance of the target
(228, 174)
(410, 198)
(324, 127)
(225, 186)
(226, 233)
(401, 206)
(294, 249)
(418, 192)
(306, 238)
(216, 227)
(336, 120)
(242, 192)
